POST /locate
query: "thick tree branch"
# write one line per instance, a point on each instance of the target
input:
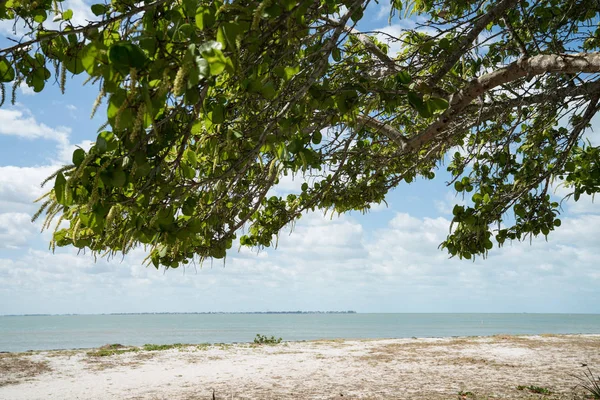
(584, 89)
(530, 66)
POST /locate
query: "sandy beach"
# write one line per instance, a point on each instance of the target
(497, 367)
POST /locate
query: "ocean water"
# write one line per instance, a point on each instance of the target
(22, 333)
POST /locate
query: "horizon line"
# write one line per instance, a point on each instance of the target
(276, 312)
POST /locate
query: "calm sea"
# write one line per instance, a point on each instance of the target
(18, 333)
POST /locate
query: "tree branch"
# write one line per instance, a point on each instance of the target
(369, 45)
(466, 40)
(386, 129)
(529, 66)
(546, 97)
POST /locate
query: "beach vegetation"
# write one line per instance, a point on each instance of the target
(107, 352)
(535, 389)
(590, 383)
(264, 339)
(464, 395)
(210, 105)
(162, 347)
(14, 368)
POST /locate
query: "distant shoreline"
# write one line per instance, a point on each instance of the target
(297, 312)
(186, 313)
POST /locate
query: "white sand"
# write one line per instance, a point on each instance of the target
(367, 369)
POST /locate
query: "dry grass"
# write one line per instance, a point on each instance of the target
(14, 368)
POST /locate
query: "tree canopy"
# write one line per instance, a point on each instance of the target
(211, 103)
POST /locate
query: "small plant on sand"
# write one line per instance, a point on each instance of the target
(590, 383)
(161, 347)
(462, 395)
(263, 339)
(107, 352)
(112, 346)
(535, 389)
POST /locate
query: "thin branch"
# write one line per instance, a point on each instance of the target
(466, 40)
(386, 129)
(369, 45)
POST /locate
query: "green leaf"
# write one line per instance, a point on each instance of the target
(39, 16)
(190, 156)
(99, 9)
(78, 157)
(67, 15)
(268, 90)
(188, 171)
(403, 77)
(203, 68)
(73, 57)
(290, 72)
(417, 103)
(437, 104)
(217, 62)
(7, 73)
(230, 31)
(36, 83)
(118, 178)
(205, 17)
(125, 54)
(217, 116)
(105, 142)
(336, 54)
(317, 137)
(93, 57)
(444, 44)
(557, 222)
(59, 188)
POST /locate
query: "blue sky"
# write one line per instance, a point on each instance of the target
(385, 261)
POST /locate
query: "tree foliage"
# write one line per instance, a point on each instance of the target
(211, 103)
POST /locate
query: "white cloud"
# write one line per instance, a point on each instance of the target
(20, 186)
(26, 90)
(383, 11)
(20, 123)
(446, 205)
(15, 230)
(326, 264)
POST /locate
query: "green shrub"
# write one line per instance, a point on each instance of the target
(107, 352)
(263, 339)
(161, 347)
